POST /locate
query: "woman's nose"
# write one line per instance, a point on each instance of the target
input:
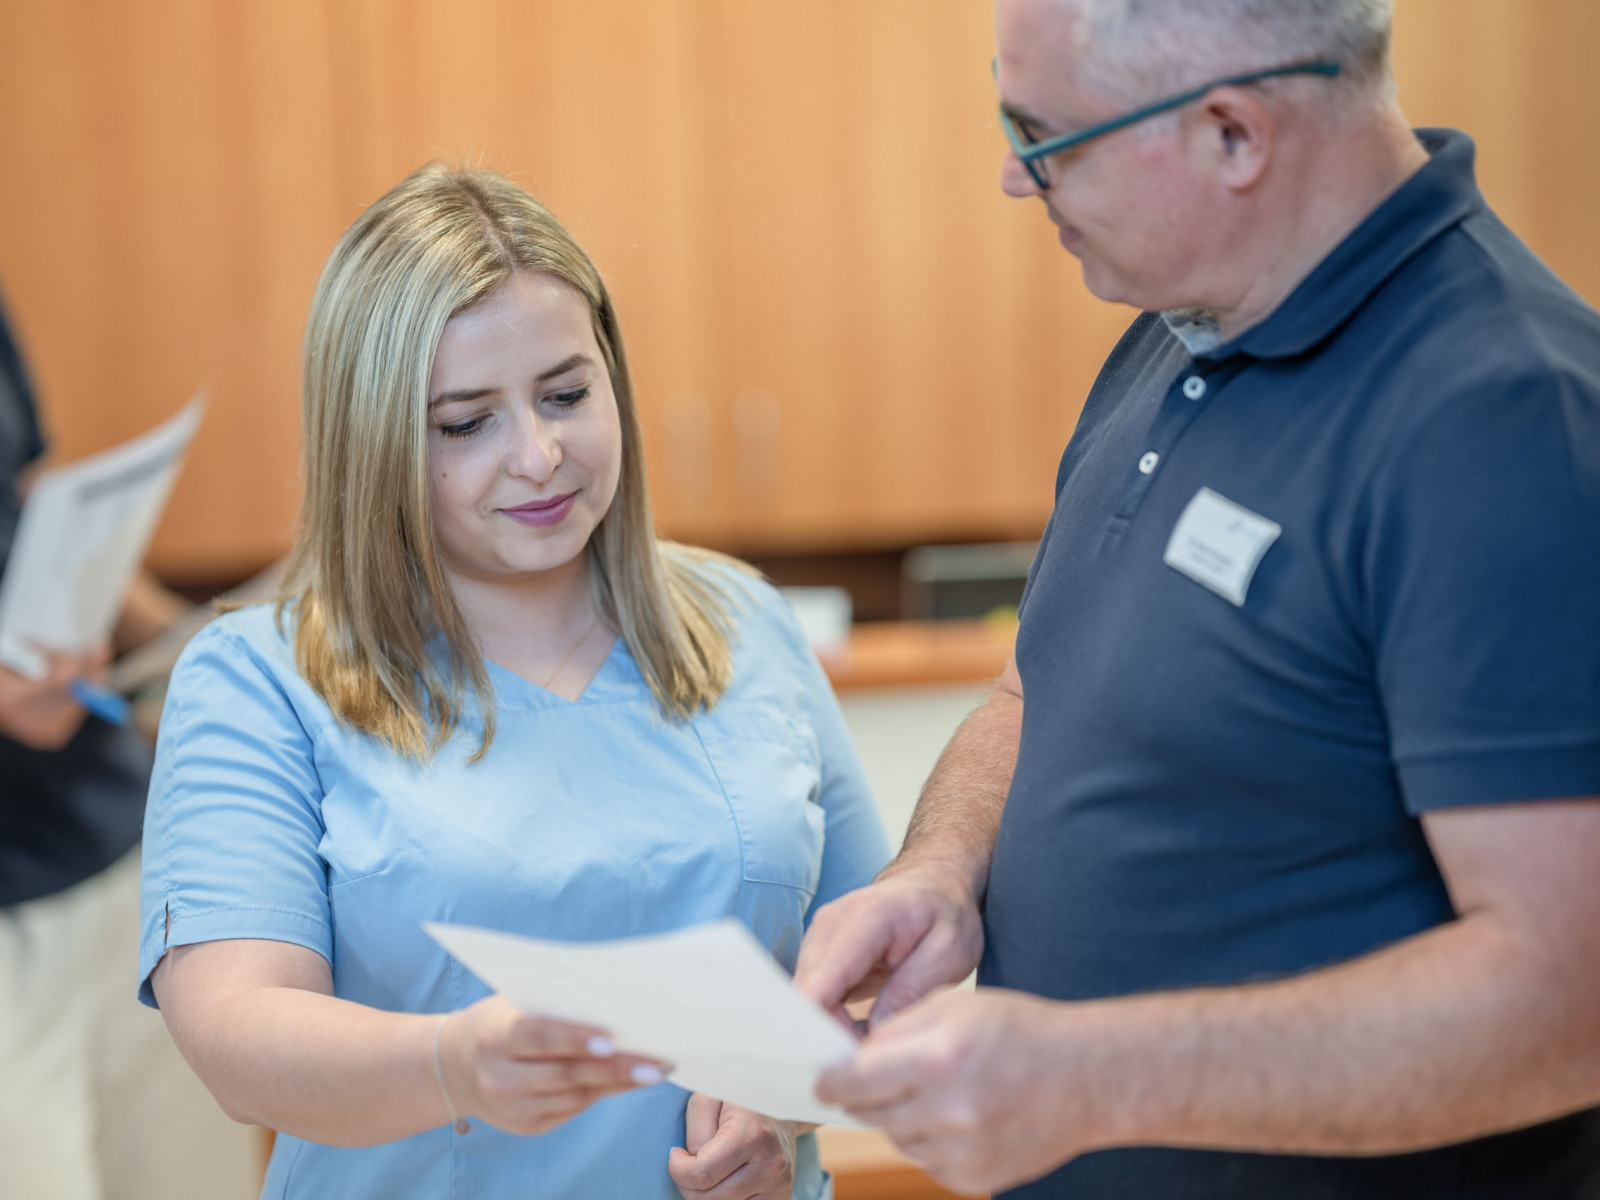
(537, 452)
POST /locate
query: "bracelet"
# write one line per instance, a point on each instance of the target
(459, 1124)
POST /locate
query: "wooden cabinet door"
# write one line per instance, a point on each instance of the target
(843, 334)
(909, 349)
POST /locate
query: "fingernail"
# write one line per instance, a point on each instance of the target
(601, 1047)
(644, 1073)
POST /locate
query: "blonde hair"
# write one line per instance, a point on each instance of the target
(366, 580)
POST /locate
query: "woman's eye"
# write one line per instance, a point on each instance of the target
(573, 398)
(464, 429)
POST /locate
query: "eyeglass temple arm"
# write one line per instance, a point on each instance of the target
(1028, 152)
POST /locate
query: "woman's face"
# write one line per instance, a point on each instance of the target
(524, 441)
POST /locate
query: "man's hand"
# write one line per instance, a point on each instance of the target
(41, 713)
(897, 939)
(919, 926)
(732, 1154)
(985, 1089)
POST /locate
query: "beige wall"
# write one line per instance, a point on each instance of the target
(845, 336)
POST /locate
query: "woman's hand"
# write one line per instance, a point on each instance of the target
(527, 1074)
(733, 1154)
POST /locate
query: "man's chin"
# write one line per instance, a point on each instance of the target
(1072, 241)
(1100, 282)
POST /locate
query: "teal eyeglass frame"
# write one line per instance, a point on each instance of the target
(1029, 153)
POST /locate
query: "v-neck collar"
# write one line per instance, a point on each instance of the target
(509, 685)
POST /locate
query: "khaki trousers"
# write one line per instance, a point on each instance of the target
(95, 1101)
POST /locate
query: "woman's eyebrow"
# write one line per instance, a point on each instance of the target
(561, 368)
(566, 364)
(462, 395)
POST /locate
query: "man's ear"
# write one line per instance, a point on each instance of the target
(1238, 135)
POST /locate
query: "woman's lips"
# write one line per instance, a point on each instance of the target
(540, 513)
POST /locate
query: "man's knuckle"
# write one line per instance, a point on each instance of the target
(699, 1176)
(962, 1117)
(943, 1062)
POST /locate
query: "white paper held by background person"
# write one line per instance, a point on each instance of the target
(83, 532)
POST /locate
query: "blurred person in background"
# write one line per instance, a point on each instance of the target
(1276, 847)
(489, 695)
(96, 1101)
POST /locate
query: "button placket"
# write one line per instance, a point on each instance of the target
(1186, 396)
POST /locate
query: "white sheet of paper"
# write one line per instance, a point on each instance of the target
(708, 999)
(83, 532)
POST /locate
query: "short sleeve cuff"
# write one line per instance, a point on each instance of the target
(1500, 777)
(224, 924)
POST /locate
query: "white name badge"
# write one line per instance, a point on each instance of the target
(1220, 544)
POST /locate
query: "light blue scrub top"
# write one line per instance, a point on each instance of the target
(596, 819)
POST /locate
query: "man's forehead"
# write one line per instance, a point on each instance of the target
(1036, 44)
(1038, 27)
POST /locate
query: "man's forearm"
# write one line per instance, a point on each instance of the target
(958, 814)
(1458, 1032)
(147, 609)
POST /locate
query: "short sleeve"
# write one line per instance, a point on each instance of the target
(855, 847)
(233, 824)
(1483, 576)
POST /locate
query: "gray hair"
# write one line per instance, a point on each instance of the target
(1139, 49)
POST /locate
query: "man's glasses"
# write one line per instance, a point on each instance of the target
(1031, 153)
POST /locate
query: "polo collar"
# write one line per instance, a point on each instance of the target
(1439, 196)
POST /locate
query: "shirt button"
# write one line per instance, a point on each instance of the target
(1194, 387)
(1148, 461)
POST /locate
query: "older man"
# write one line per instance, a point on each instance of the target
(1278, 841)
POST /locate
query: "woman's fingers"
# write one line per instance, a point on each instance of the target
(528, 1074)
(536, 1037)
(532, 1096)
(509, 1077)
(537, 1114)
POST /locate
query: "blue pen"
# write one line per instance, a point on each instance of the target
(102, 702)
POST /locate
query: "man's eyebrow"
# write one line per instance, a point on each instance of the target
(1021, 116)
(463, 395)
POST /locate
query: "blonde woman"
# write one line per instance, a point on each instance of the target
(489, 695)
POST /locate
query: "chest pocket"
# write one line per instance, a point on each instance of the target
(768, 767)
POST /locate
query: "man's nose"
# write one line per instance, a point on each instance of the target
(1015, 180)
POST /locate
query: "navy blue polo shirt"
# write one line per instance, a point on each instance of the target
(1388, 604)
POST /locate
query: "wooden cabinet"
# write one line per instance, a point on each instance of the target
(844, 335)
